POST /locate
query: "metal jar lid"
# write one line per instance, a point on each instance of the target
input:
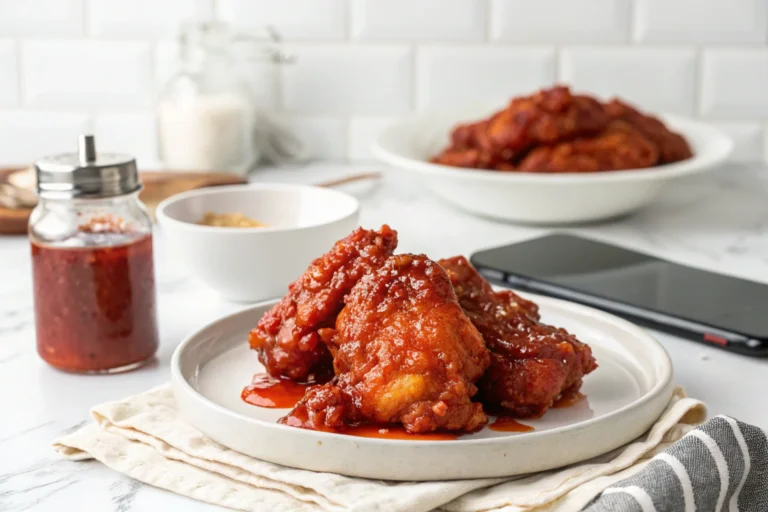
(86, 174)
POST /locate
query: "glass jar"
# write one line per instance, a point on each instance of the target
(92, 264)
(206, 113)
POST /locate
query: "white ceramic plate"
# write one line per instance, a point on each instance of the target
(624, 396)
(537, 197)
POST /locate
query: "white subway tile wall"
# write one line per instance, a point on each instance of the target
(454, 75)
(735, 83)
(348, 80)
(701, 21)
(296, 19)
(317, 136)
(556, 21)
(747, 139)
(661, 79)
(143, 18)
(26, 135)
(421, 20)
(362, 132)
(86, 74)
(42, 18)
(134, 133)
(9, 84)
(74, 65)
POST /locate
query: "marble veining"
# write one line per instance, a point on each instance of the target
(717, 221)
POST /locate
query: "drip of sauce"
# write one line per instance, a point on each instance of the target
(568, 400)
(509, 424)
(275, 393)
(395, 432)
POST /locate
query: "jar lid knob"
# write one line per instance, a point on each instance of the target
(87, 149)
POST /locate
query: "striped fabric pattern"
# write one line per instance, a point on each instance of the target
(720, 466)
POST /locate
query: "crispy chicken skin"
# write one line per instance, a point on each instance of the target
(403, 353)
(532, 364)
(620, 146)
(672, 146)
(287, 337)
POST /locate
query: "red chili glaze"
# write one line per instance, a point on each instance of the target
(277, 392)
(568, 400)
(509, 424)
(95, 307)
(395, 432)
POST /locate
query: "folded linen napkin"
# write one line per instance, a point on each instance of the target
(143, 436)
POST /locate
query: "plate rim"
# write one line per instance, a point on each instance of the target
(722, 145)
(665, 382)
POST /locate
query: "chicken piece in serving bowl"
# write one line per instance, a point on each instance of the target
(672, 146)
(471, 158)
(287, 337)
(620, 146)
(404, 352)
(532, 364)
(545, 117)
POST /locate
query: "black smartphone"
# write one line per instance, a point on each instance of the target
(724, 311)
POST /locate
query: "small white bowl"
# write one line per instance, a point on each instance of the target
(538, 198)
(253, 264)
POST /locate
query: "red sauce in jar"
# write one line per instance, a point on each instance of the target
(95, 306)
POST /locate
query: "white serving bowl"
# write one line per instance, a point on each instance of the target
(538, 198)
(251, 264)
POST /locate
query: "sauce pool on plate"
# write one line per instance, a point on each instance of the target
(509, 424)
(275, 393)
(281, 393)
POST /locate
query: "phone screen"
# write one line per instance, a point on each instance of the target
(631, 278)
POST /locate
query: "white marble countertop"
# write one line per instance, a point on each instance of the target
(719, 222)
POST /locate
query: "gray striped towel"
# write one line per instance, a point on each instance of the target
(721, 465)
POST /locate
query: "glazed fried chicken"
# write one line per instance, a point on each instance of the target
(287, 337)
(620, 146)
(532, 364)
(465, 157)
(554, 130)
(672, 146)
(465, 148)
(403, 353)
(548, 116)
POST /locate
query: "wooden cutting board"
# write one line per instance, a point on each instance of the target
(158, 185)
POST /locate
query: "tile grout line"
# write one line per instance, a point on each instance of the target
(20, 95)
(86, 35)
(414, 70)
(488, 22)
(698, 82)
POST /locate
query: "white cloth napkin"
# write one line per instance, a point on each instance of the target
(144, 437)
